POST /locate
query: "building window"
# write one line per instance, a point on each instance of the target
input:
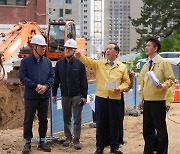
(2, 2)
(69, 1)
(68, 11)
(85, 5)
(85, 16)
(85, 22)
(21, 2)
(81, 1)
(85, 10)
(50, 11)
(85, 33)
(13, 2)
(61, 12)
(85, 27)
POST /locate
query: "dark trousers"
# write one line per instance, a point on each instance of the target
(71, 105)
(107, 119)
(41, 105)
(154, 118)
(121, 128)
(121, 119)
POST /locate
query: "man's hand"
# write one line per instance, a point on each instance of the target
(41, 89)
(160, 86)
(38, 87)
(54, 99)
(167, 108)
(84, 100)
(117, 90)
(77, 53)
(126, 90)
(141, 105)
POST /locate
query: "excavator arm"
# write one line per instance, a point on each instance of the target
(16, 37)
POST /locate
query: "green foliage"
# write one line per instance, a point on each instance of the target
(171, 43)
(158, 18)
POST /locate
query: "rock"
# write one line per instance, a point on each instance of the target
(4, 147)
(9, 150)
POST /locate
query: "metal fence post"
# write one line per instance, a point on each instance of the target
(51, 116)
(135, 92)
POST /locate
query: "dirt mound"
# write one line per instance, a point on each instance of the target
(11, 105)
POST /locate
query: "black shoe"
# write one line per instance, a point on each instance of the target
(67, 142)
(26, 149)
(45, 147)
(98, 152)
(116, 151)
(77, 145)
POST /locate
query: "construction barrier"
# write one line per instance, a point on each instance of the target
(131, 98)
(177, 93)
(56, 110)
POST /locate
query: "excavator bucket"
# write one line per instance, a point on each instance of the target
(13, 75)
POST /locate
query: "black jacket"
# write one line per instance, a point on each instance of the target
(33, 72)
(71, 77)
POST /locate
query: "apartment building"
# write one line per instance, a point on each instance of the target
(135, 11)
(117, 24)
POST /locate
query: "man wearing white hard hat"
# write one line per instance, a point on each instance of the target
(37, 74)
(70, 74)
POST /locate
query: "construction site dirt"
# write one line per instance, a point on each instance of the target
(11, 122)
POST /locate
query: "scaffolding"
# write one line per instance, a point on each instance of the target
(98, 26)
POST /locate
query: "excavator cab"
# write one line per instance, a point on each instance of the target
(58, 33)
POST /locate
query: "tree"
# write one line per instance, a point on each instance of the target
(171, 43)
(158, 18)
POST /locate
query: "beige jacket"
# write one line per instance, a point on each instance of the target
(163, 71)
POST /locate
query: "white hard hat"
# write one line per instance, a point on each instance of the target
(71, 44)
(38, 39)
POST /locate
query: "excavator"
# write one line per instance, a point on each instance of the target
(20, 35)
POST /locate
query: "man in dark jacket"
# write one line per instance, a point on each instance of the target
(36, 73)
(70, 73)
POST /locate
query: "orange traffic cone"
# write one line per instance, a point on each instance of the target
(177, 93)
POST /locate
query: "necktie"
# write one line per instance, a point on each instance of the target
(111, 63)
(150, 64)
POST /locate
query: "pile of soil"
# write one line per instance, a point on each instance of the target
(11, 105)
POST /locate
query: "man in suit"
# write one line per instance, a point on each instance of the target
(107, 102)
(153, 97)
